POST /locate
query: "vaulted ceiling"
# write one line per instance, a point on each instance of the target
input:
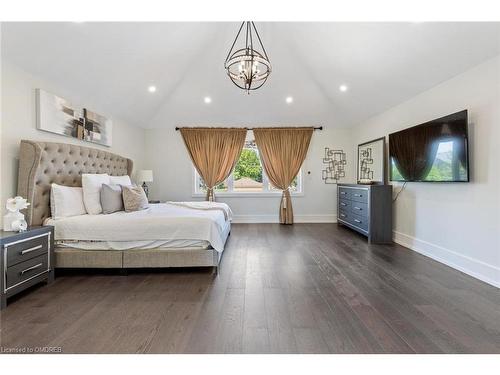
(112, 64)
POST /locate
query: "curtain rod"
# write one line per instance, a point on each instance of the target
(315, 128)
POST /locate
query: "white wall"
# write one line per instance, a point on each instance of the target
(18, 121)
(173, 171)
(455, 223)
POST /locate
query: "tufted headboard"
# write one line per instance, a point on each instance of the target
(42, 163)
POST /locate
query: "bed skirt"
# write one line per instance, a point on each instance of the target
(150, 258)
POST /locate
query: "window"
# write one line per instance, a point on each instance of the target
(248, 177)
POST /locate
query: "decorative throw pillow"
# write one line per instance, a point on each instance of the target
(134, 198)
(111, 198)
(120, 180)
(66, 201)
(91, 184)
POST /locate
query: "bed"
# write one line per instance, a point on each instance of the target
(164, 235)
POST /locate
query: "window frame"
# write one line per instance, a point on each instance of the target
(266, 192)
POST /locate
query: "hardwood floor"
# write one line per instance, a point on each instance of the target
(307, 288)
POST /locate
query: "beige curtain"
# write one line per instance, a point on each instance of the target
(214, 152)
(282, 151)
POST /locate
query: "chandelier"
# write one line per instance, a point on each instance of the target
(248, 68)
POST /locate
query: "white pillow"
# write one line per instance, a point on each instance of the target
(120, 180)
(66, 201)
(91, 184)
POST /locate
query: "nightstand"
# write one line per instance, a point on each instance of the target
(26, 259)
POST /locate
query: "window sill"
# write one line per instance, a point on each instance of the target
(247, 195)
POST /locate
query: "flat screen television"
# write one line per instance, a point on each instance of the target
(436, 151)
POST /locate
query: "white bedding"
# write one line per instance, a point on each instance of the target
(159, 222)
(208, 206)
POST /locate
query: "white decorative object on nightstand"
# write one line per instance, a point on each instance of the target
(14, 221)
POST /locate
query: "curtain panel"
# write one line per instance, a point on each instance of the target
(214, 153)
(282, 152)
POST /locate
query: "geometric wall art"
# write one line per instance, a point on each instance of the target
(57, 115)
(335, 161)
(365, 157)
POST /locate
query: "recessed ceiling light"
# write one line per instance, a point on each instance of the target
(343, 88)
(152, 88)
(207, 99)
(289, 100)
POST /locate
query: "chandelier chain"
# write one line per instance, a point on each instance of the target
(235, 40)
(260, 41)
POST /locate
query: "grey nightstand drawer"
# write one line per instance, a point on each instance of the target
(343, 215)
(358, 208)
(344, 193)
(344, 204)
(359, 195)
(359, 221)
(24, 250)
(26, 270)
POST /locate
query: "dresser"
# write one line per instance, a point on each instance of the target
(27, 258)
(366, 209)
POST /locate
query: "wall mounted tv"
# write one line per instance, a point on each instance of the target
(436, 151)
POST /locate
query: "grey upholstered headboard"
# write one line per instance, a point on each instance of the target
(42, 163)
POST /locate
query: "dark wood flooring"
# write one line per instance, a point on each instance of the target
(307, 288)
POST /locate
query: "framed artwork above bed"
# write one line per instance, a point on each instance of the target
(59, 116)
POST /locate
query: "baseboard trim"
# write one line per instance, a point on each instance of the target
(470, 266)
(267, 219)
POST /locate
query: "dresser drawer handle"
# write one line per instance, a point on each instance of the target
(31, 249)
(343, 204)
(343, 193)
(342, 215)
(357, 221)
(358, 195)
(31, 268)
(358, 208)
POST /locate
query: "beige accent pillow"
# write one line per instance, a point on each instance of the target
(134, 198)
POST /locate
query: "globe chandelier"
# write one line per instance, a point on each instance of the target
(248, 67)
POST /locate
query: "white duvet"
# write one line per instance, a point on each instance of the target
(159, 222)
